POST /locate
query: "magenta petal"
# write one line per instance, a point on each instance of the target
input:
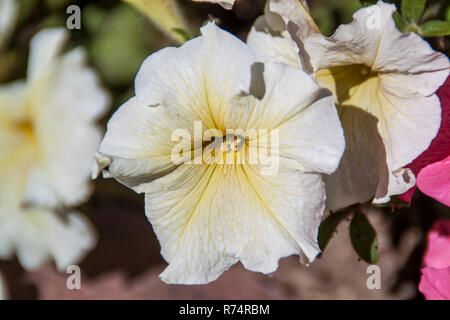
(440, 146)
(434, 181)
(437, 254)
(407, 195)
(435, 283)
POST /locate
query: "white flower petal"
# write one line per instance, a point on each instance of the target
(298, 22)
(64, 99)
(40, 234)
(310, 134)
(13, 98)
(296, 15)
(199, 78)
(45, 47)
(16, 144)
(62, 173)
(410, 62)
(76, 89)
(374, 40)
(354, 43)
(318, 152)
(209, 217)
(270, 46)
(278, 35)
(381, 125)
(408, 121)
(138, 143)
(363, 162)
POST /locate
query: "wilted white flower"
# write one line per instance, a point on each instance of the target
(48, 138)
(8, 15)
(274, 37)
(209, 216)
(383, 82)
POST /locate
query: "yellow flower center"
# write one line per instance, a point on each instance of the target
(228, 146)
(26, 128)
(353, 85)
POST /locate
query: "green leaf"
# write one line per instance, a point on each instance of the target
(328, 226)
(184, 33)
(165, 14)
(53, 21)
(435, 28)
(364, 238)
(92, 18)
(26, 9)
(412, 10)
(431, 11)
(366, 3)
(447, 14)
(117, 47)
(402, 25)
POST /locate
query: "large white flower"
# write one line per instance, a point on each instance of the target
(383, 82)
(48, 138)
(209, 216)
(8, 15)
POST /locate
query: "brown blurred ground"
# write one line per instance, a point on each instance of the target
(126, 264)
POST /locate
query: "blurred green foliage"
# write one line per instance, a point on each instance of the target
(118, 36)
(118, 46)
(330, 13)
(427, 18)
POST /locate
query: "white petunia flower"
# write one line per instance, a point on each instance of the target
(48, 138)
(383, 82)
(48, 134)
(209, 216)
(8, 15)
(3, 288)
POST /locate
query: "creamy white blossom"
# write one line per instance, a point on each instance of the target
(8, 14)
(48, 138)
(383, 82)
(209, 216)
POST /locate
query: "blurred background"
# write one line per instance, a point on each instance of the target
(126, 262)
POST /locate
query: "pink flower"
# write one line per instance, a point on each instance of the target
(435, 283)
(435, 280)
(434, 181)
(438, 150)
